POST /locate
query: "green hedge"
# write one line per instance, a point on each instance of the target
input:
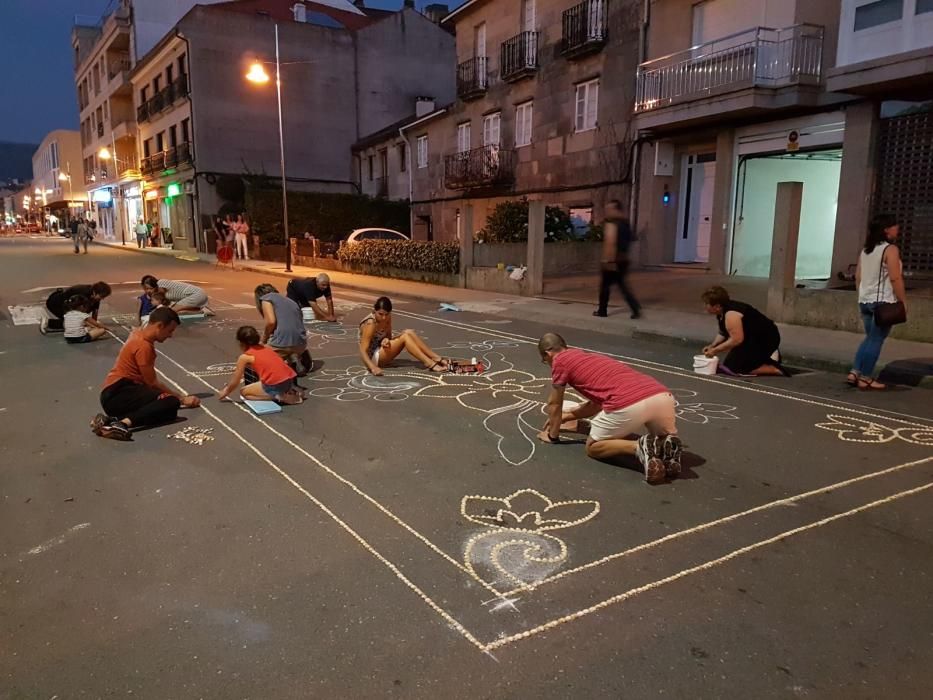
(329, 217)
(424, 256)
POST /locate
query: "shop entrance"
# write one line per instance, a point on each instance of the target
(756, 189)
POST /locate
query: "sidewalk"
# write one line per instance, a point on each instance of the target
(820, 348)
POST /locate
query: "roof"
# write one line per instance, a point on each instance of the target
(463, 8)
(388, 132)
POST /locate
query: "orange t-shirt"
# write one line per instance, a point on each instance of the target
(136, 354)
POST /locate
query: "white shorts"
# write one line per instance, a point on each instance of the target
(375, 357)
(657, 413)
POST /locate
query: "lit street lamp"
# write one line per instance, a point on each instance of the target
(258, 75)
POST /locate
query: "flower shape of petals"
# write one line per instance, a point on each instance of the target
(527, 509)
(850, 429)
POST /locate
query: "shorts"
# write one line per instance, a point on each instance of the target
(80, 339)
(278, 389)
(195, 299)
(657, 413)
(375, 358)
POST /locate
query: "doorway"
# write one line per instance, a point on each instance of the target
(696, 208)
(756, 190)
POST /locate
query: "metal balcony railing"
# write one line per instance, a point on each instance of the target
(584, 28)
(758, 57)
(519, 56)
(117, 67)
(163, 99)
(169, 158)
(472, 78)
(481, 167)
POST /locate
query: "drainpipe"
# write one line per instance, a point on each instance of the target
(411, 190)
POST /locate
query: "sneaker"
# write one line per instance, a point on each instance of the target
(115, 430)
(99, 421)
(635, 315)
(44, 326)
(649, 457)
(672, 450)
(601, 314)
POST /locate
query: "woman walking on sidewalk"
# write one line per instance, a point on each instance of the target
(879, 280)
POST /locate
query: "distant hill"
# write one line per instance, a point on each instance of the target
(16, 160)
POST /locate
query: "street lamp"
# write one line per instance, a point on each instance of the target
(258, 75)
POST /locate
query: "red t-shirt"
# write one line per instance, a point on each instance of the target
(270, 367)
(610, 383)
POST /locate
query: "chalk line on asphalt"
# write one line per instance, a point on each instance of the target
(56, 541)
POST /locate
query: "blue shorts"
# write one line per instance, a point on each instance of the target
(278, 389)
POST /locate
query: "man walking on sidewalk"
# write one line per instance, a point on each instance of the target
(617, 238)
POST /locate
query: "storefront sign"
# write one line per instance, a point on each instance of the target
(152, 194)
(793, 141)
(173, 190)
(132, 192)
(102, 196)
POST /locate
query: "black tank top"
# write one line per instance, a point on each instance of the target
(754, 323)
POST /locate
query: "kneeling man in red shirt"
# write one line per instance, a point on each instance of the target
(620, 404)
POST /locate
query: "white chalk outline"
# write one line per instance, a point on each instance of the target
(55, 541)
(501, 596)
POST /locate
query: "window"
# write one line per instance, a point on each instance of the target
(156, 84)
(169, 74)
(143, 95)
(173, 136)
(54, 154)
(586, 105)
(479, 40)
(491, 128)
(402, 157)
(924, 6)
(580, 219)
(147, 148)
(878, 12)
(160, 142)
(528, 16)
(463, 137)
(185, 127)
(96, 75)
(371, 161)
(422, 151)
(523, 117)
(181, 65)
(383, 163)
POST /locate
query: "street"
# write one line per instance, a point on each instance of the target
(407, 536)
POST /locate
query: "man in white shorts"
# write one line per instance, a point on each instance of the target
(620, 404)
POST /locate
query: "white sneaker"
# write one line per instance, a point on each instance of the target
(650, 459)
(672, 450)
(44, 326)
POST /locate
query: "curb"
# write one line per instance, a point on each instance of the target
(822, 364)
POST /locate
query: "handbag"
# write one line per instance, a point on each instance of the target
(888, 313)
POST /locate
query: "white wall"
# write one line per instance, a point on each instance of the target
(913, 31)
(714, 19)
(751, 253)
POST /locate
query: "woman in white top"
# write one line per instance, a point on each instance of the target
(879, 280)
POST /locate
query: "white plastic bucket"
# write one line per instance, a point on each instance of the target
(705, 365)
(307, 314)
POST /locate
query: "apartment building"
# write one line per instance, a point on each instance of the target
(543, 111)
(53, 185)
(204, 129)
(105, 50)
(885, 57)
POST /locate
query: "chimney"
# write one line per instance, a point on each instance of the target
(423, 105)
(436, 12)
(408, 4)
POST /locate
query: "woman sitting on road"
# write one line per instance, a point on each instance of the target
(750, 338)
(378, 347)
(284, 331)
(181, 296)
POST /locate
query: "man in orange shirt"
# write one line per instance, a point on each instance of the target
(132, 395)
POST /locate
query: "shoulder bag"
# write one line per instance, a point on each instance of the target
(888, 313)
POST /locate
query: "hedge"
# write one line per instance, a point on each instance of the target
(330, 217)
(423, 256)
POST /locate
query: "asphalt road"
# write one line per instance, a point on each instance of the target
(405, 536)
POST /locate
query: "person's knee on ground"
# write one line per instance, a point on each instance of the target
(610, 448)
(97, 333)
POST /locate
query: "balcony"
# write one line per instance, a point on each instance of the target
(163, 99)
(584, 29)
(762, 62)
(163, 160)
(472, 78)
(519, 57)
(486, 166)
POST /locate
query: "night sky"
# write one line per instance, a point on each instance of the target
(37, 92)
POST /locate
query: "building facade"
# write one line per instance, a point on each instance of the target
(204, 129)
(53, 183)
(543, 111)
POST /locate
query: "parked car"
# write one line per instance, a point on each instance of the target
(375, 234)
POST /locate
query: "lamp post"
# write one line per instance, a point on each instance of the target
(257, 74)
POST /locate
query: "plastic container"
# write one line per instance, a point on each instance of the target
(705, 365)
(307, 314)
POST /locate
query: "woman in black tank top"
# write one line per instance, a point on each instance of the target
(749, 338)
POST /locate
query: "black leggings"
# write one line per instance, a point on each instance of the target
(142, 404)
(56, 306)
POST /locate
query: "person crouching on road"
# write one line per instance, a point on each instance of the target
(132, 395)
(305, 291)
(80, 326)
(182, 296)
(620, 403)
(748, 337)
(276, 378)
(54, 322)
